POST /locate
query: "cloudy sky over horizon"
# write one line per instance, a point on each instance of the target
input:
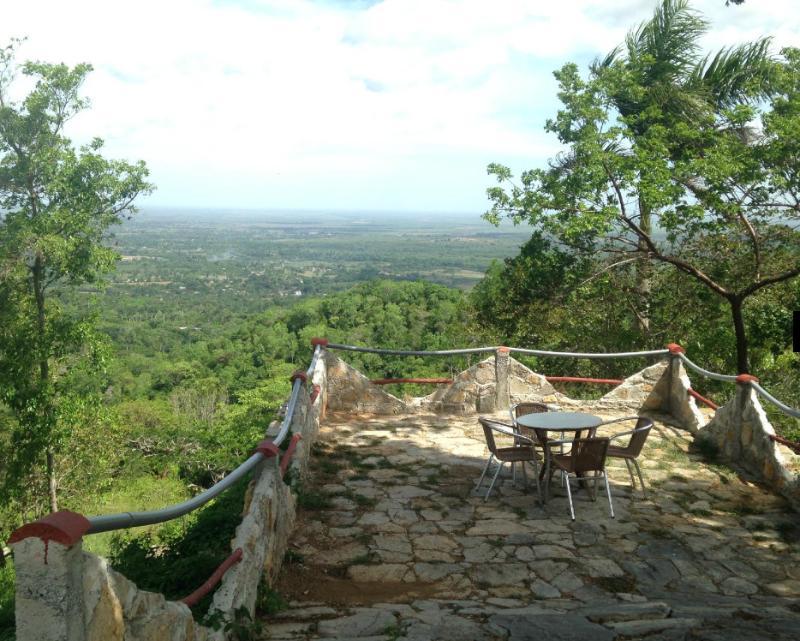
(325, 104)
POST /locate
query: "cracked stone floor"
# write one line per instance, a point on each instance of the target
(392, 542)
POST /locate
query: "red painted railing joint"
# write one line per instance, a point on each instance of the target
(63, 527)
(675, 349)
(287, 457)
(319, 341)
(299, 374)
(268, 448)
(314, 393)
(195, 597)
(745, 379)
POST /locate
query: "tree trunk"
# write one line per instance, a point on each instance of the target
(52, 486)
(742, 364)
(44, 377)
(643, 274)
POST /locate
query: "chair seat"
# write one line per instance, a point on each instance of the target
(515, 454)
(620, 452)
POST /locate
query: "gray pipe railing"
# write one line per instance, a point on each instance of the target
(791, 411)
(727, 378)
(540, 352)
(106, 523)
(405, 352)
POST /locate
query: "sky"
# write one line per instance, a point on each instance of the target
(335, 104)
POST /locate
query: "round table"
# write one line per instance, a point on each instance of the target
(542, 422)
(560, 421)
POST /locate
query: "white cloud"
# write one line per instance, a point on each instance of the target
(247, 102)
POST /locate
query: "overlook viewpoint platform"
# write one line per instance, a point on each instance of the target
(361, 513)
(393, 543)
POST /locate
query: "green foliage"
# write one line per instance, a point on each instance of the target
(7, 630)
(179, 556)
(664, 163)
(57, 204)
(239, 627)
(269, 601)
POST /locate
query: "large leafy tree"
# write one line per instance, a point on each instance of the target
(686, 160)
(56, 205)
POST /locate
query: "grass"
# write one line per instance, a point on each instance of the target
(293, 557)
(178, 556)
(270, 601)
(135, 495)
(310, 499)
(7, 601)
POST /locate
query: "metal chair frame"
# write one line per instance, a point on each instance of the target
(634, 447)
(520, 441)
(598, 467)
(523, 409)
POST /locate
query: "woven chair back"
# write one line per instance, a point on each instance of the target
(635, 445)
(589, 454)
(521, 409)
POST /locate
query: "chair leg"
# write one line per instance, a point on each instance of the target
(483, 474)
(536, 476)
(496, 474)
(641, 480)
(608, 492)
(630, 471)
(569, 496)
(524, 474)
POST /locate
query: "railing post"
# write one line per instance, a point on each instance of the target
(502, 399)
(48, 559)
(674, 401)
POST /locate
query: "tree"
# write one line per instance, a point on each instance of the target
(703, 180)
(665, 59)
(56, 206)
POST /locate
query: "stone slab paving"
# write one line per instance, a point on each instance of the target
(392, 542)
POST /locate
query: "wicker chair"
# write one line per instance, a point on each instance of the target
(522, 409)
(631, 451)
(586, 455)
(522, 451)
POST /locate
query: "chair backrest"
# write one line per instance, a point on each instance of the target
(639, 436)
(521, 409)
(486, 424)
(589, 454)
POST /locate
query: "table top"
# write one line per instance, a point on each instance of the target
(559, 421)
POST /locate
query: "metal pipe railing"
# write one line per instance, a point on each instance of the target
(541, 352)
(405, 352)
(708, 374)
(106, 523)
(791, 411)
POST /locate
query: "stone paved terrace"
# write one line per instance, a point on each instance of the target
(391, 543)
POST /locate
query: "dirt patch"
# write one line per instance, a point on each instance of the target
(314, 583)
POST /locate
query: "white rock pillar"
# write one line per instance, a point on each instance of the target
(680, 402)
(502, 398)
(319, 379)
(48, 560)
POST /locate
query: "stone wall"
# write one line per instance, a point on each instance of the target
(473, 390)
(741, 431)
(351, 391)
(65, 594)
(662, 387)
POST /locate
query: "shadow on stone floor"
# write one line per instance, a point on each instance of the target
(397, 533)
